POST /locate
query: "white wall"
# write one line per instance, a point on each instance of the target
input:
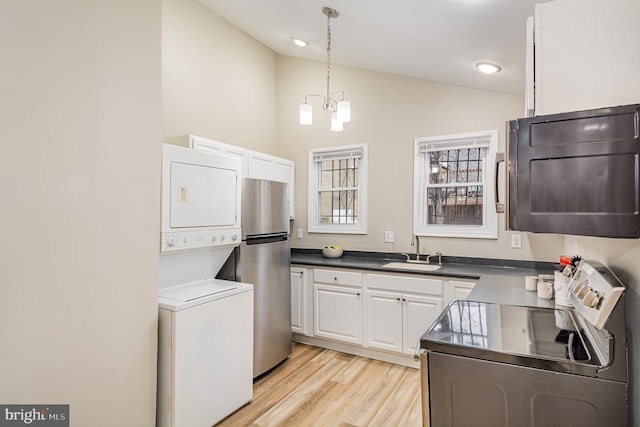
(79, 220)
(388, 112)
(217, 82)
(622, 257)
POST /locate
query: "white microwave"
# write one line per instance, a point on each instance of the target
(200, 199)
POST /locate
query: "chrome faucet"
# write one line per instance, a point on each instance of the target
(438, 254)
(415, 241)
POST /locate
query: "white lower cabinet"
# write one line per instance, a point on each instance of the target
(396, 320)
(384, 320)
(373, 314)
(338, 313)
(297, 300)
(457, 289)
(419, 312)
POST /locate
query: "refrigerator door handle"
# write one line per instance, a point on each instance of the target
(267, 238)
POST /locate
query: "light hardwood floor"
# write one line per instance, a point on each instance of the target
(320, 387)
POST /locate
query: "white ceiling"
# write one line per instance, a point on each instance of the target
(437, 40)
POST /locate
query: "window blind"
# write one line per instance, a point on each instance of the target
(340, 154)
(455, 144)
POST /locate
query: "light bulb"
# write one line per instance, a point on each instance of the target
(344, 111)
(488, 67)
(336, 125)
(306, 114)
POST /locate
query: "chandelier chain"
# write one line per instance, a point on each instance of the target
(328, 106)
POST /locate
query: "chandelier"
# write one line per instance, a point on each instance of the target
(340, 110)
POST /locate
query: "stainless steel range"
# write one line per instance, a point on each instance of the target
(494, 365)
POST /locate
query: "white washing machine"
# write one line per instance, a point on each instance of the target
(205, 352)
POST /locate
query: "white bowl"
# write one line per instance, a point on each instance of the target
(329, 252)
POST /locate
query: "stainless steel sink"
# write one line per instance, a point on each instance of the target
(412, 266)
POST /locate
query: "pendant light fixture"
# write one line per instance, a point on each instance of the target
(340, 110)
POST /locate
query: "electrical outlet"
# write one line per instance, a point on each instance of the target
(516, 241)
(299, 233)
(389, 237)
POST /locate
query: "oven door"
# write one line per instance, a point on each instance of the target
(463, 391)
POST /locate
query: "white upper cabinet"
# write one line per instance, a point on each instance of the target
(254, 164)
(261, 166)
(586, 55)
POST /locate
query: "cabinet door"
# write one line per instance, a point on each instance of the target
(297, 300)
(205, 144)
(338, 313)
(458, 290)
(285, 172)
(240, 153)
(418, 314)
(261, 166)
(569, 35)
(384, 320)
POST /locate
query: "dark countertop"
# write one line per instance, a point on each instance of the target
(498, 281)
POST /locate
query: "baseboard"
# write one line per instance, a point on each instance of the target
(398, 359)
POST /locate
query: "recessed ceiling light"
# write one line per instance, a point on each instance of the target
(298, 42)
(488, 67)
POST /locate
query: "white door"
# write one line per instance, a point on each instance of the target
(458, 290)
(384, 320)
(297, 300)
(260, 166)
(338, 313)
(419, 312)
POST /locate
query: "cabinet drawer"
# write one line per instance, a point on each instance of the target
(336, 277)
(413, 284)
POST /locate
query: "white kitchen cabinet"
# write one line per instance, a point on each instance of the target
(213, 146)
(384, 320)
(585, 55)
(396, 320)
(380, 315)
(419, 312)
(338, 313)
(457, 289)
(298, 300)
(337, 305)
(261, 166)
(285, 171)
(265, 166)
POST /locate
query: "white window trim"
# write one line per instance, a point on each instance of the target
(313, 225)
(489, 229)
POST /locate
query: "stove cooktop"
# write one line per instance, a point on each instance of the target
(544, 338)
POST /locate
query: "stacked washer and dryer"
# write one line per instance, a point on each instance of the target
(205, 336)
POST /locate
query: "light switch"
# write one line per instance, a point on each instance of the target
(516, 241)
(389, 236)
(299, 233)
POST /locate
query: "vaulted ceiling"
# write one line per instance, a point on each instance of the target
(437, 40)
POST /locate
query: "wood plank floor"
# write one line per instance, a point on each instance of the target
(320, 387)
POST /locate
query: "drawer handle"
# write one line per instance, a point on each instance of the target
(358, 293)
(335, 279)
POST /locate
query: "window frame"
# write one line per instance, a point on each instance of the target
(314, 225)
(489, 228)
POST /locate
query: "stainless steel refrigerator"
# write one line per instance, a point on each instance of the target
(264, 259)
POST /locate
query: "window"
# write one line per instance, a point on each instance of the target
(454, 185)
(338, 190)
